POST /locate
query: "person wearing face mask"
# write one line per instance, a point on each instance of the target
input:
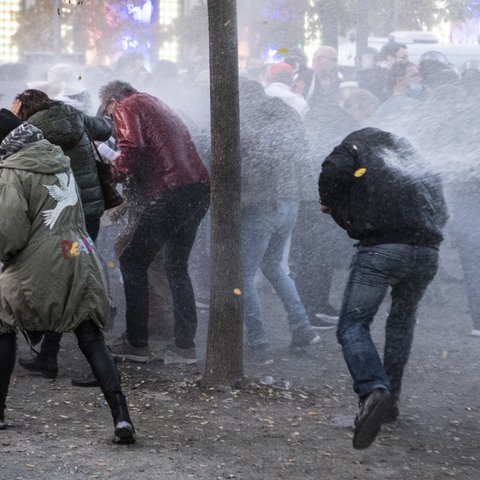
(373, 78)
(398, 113)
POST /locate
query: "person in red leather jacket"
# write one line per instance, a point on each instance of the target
(159, 160)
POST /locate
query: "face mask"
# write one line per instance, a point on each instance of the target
(415, 88)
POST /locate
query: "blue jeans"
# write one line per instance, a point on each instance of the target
(407, 269)
(465, 230)
(265, 232)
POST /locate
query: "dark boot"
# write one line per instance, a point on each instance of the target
(45, 363)
(8, 347)
(45, 366)
(124, 430)
(92, 345)
(89, 380)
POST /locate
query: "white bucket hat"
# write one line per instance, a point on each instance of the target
(61, 81)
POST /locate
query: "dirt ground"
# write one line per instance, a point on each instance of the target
(293, 422)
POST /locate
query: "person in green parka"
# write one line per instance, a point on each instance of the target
(73, 131)
(52, 279)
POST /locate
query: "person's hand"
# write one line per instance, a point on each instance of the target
(325, 209)
(16, 107)
(117, 213)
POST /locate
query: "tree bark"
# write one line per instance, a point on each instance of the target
(362, 32)
(328, 13)
(224, 361)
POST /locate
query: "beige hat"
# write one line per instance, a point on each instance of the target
(61, 81)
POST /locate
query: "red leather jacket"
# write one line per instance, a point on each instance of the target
(157, 152)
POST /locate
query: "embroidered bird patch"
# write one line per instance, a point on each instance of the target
(65, 195)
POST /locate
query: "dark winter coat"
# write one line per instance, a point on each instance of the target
(378, 191)
(156, 149)
(52, 277)
(272, 147)
(67, 127)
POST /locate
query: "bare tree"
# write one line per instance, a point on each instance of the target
(224, 363)
(362, 30)
(329, 22)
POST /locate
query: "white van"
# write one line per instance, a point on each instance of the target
(455, 54)
(412, 36)
(417, 44)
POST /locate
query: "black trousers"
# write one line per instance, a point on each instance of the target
(92, 345)
(170, 221)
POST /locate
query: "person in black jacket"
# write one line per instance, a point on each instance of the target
(374, 186)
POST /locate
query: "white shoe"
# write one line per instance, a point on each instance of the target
(176, 355)
(475, 333)
(201, 305)
(333, 319)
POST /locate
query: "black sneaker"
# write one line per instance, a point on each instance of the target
(373, 410)
(47, 367)
(259, 354)
(304, 337)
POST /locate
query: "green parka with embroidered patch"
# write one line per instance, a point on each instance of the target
(52, 277)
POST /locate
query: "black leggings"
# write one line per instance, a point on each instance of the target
(8, 348)
(92, 345)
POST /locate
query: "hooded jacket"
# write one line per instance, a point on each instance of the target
(157, 152)
(272, 147)
(52, 277)
(67, 127)
(378, 191)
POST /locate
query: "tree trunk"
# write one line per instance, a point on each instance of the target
(224, 362)
(328, 13)
(362, 34)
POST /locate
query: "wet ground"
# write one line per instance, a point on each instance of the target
(294, 421)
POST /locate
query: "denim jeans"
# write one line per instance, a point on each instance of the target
(265, 232)
(407, 269)
(170, 221)
(318, 249)
(465, 231)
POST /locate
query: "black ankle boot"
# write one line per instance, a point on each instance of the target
(47, 367)
(8, 347)
(124, 430)
(3, 425)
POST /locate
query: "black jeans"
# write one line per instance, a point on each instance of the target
(172, 221)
